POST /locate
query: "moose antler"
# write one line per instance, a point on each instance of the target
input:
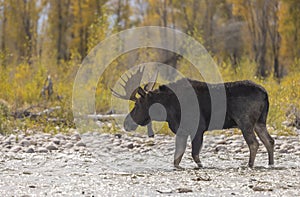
(149, 86)
(130, 85)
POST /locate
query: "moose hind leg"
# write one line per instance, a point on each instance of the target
(266, 139)
(196, 148)
(252, 143)
(180, 146)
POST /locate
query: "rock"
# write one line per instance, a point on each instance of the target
(118, 135)
(51, 147)
(245, 150)
(287, 147)
(283, 151)
(165, 191)
(130, 146)
(42, 150)
(16, 149)
(8, 146)
(56, 141)
(221, 142)
(29, 150)
(60, 136)
(68, 145)
(32, 186)
(220, 148)
(260, 189)
(76, 137)
(25, 143)
(80, 143)
(237, 150)
(149, 143)
(62, 142)
(76, 148)
(10, 139)
(33, 142)
(184, 190)
(46, 135)
(21, 137)
(116, 143)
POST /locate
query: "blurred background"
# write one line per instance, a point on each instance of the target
(42, 44)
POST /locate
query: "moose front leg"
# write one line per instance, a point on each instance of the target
(196, 147)
(150, 130)
(180, 145)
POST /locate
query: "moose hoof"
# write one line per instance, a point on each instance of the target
(177, 167)
(199, 165)
(271, 166)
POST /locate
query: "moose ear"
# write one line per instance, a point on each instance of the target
(141, 92)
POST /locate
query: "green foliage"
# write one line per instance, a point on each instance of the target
(21, 86)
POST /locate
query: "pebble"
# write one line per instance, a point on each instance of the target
(60, 136)
(47, 135)
(16, 149)
(130, 146)
(25, 143)
(51, 147)
(76, 137)
(222, 142)
(56, 141)
(42, 150)
(80, 143)
(29, 150)
(68, 145)
(220, 148)
(287, 147)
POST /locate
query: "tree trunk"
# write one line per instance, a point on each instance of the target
(60, 32)
(3, 39)
(277, 73)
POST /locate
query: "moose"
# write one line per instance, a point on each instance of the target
(247, 108)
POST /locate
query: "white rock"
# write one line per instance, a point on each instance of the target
(11, 138)
(80, 143)
(62, 142)
(29, 150)
(25, 143)
(42, 150)
(16, 149)
(76, 137)
(60, 136)
(287, 146)
(69, 145)
(47, 135)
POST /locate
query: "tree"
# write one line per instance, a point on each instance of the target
(275, 38)
(289, 28)
(256, 15)
(19, 29)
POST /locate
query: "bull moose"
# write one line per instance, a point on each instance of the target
(247, 109)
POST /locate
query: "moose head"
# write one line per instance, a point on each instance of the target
(139, 115)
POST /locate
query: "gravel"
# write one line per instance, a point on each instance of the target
(130, 164)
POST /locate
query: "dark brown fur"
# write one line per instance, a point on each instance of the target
(247, 109)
